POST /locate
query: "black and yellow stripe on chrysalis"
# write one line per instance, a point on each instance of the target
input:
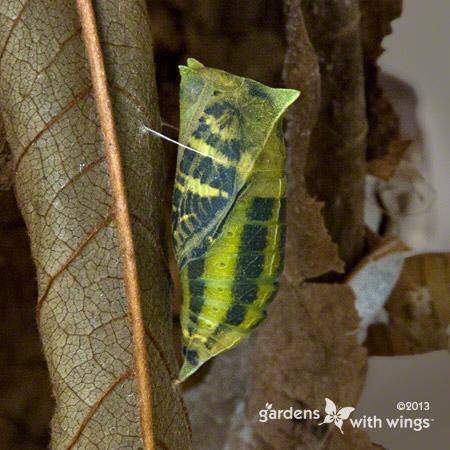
(228, 207)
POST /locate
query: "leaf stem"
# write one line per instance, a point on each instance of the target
(122, 216)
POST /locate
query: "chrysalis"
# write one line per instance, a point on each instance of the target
(228, 207)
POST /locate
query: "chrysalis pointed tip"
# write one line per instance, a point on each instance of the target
(194, 64)
(188, 369)
(292, 95)
(191, 64)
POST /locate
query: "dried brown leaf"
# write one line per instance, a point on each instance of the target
(385, 167)
(309, 250)
(72, 204)
(419, 309)
(352, 440)
(306, 351)
(376, 18)
(216, 404)
(335, 169)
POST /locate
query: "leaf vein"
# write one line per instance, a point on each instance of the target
(72, 180)
(80, 96)
(13, 27)
(124, 376)
(169, 371)
(72, 257)
(140, 106)
(60, 50)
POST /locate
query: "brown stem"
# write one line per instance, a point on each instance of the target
(122, 215)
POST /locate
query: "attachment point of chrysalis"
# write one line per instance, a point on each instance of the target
(176, 382)
(188, 369)
(146, 129)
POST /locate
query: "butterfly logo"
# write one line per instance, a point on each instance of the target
(335, 415)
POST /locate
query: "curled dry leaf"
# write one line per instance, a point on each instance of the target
(376, 24)
(335, 169)
(385, 167)
(310, 251)
(89, 319)
(376, 18)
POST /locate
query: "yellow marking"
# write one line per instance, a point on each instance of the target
(179, 186)
(278, 188)
(208, 150)
(195, 186)
(228, 132)
(220, 264)
(246, 163)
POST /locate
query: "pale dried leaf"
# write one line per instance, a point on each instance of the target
(64, 193)
(373, 280)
